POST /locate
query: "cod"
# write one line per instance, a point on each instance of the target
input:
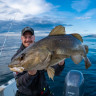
(51, 50)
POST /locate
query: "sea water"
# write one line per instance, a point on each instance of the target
(57, 86)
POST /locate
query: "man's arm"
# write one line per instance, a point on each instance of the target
(59, 68)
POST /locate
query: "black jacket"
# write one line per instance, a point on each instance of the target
(33, 84)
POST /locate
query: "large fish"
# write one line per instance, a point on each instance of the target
(50, 51)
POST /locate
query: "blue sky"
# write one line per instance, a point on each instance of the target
(78, 16)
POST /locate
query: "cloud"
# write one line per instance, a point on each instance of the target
(22, 9)
(80, 5)
(40, 15)
(37, 23)
(91, 12)
(83, 18)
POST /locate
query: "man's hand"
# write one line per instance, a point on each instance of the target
(32, 72)
(62, 62)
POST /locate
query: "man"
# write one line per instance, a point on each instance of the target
(33, 83)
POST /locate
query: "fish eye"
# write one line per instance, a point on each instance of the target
(22, 56)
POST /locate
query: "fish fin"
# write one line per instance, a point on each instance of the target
(87, 62)
(51, 72)
(58, 30)
(86, 48)
(78, 36)
(76, 58)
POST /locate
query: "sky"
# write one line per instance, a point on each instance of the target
(77, 16)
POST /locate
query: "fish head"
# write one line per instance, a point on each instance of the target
(33, 59)
(16, 64)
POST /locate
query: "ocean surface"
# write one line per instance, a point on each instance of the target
(57, 86)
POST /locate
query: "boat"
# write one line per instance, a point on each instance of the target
(74, 85)
(8, 89)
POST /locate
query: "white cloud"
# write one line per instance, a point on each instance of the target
(84, 18)
(80, 5)
(22, 9)
(88, 15)
(91, 12)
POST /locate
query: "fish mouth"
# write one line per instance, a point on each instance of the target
(17, 69)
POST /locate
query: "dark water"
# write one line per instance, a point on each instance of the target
(56, 86)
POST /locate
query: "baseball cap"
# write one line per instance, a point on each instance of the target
(27, 29)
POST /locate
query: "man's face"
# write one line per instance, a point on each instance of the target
(27, 39)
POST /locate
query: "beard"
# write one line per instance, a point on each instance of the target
(28, 43)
